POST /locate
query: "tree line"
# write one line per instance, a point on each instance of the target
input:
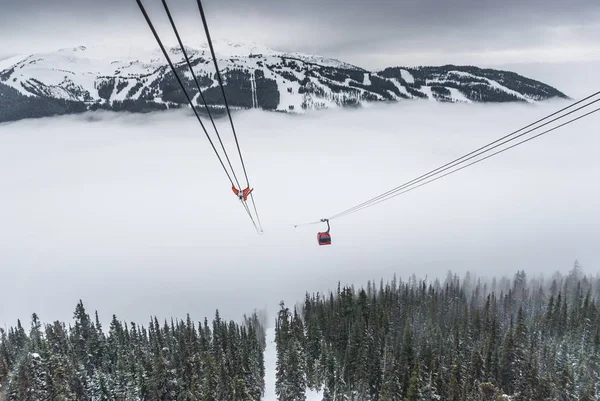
(173, 361)
(531, 339)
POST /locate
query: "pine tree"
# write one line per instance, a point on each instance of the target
(296, 380)
(5, 357)
(406, 358)
(241, 392)
(210, 378)
(521, 367)
(391, 388)
(414, 385)
(37, 370)
(507, 374)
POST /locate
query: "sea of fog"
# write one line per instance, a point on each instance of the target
(134, 215)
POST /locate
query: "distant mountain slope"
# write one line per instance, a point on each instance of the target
(79, 79)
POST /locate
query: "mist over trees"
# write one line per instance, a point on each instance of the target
(469, 339)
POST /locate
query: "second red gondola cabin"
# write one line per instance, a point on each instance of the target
(324, 238)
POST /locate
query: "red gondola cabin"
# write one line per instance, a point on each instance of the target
(324, 238)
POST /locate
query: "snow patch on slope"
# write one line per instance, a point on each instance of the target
(400, 87)
(427, 90)
(492, 83)
(9, 62)
(407, 76)
(324, 61)
(458, 96)
(288, 94)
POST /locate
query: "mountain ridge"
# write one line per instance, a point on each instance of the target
(77, 79)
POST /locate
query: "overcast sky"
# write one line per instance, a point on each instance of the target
(372, 34)
(133, 214)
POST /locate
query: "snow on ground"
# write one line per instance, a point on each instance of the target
(230, 48)
(427, 90)
(80, 66)
(70, 72)
(287, 99)
(400, 87)
(9, 62)
(492, 83)
(270, 363)
(407, 76)
(458, 95)
(324, 61)
(367, 79)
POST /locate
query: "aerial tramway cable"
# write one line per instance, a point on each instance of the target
(181, 84)
(482, 159)
(198, 87)
(157, 37)
(472, 154)
(212, 50)
(450, 165)
(394, 192)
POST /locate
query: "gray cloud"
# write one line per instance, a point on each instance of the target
(372, 34)
(133, 214)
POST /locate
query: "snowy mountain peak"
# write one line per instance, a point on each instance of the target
(139, 79)
(230, 48)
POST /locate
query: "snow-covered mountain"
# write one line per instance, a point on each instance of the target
(138, 80)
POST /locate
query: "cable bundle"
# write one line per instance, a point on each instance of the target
(158, 40)
(434, 175)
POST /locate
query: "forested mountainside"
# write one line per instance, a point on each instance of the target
(173, 361)
(75, 80)
(528, 339)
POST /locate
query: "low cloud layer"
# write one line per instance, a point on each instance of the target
(134, 215)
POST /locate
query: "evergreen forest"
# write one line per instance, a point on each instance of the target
(173, 361)
(471, 338)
